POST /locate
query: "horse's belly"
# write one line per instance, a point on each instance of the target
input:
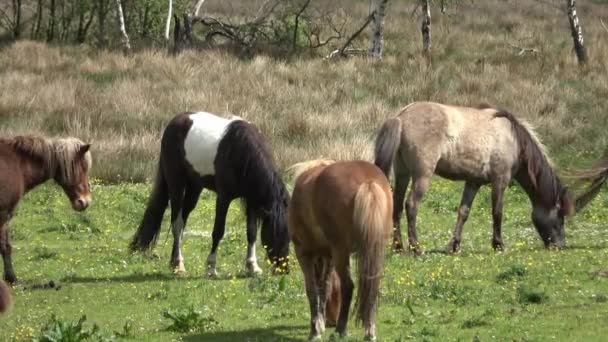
(464, 170)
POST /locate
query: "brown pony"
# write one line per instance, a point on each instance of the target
(27, 161)
(339, 208)
(479, 146)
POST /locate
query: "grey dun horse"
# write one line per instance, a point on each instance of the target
(478, 146)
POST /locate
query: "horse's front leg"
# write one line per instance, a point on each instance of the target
(251, 261)
(6, 251)
(221, 210)
(498, 190)
(468, 195)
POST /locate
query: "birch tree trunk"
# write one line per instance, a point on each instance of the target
(426, 27)
(168, 25)
(577, 33)
(126, 45)
(377, 35)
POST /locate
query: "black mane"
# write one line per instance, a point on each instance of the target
(535, 168)
(244, 149)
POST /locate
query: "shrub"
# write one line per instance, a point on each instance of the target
(189, 320)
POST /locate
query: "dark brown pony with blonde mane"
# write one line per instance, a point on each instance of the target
(481, 145)
(340, 208)
(28, 161)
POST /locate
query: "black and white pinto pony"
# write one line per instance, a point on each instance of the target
(230, 157)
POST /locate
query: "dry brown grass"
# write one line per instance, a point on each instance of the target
(310, 108)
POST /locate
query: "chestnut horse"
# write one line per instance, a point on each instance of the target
(340, 208)
(230, 157)
(479, 146)
(27, 161)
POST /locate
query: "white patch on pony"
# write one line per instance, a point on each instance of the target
(251, 261)
(203, 139)
(178, 228)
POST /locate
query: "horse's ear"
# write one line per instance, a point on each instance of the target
(84, 148)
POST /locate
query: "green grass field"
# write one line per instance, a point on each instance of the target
(526, 293)
(310, 108)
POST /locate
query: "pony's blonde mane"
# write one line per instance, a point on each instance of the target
(57, 155)
(298, 169)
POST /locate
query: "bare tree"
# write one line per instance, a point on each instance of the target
(102, 12)
(377, 35)
(126, 45)
(426, 27)
(84, 22)
(577, 32)
(50, 31)
(11, 21)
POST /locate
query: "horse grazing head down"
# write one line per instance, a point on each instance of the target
(275, 236)
(549, 221)
(73, 162)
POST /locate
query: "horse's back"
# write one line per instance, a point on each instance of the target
(456, 142)
(334, 198)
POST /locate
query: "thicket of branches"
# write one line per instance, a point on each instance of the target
(275, 26)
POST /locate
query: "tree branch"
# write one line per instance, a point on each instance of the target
(340, 52)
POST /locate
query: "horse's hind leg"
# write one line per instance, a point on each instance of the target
(468, 195)
(177, 227)
(402, 180)
(251, 261)
(221, 210)
(498, 191)
(342, 264)
(323, 271)
(419, 187)
(6, 250)
(191, 195)
(307, 264)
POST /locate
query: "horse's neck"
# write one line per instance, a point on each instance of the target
(535, 193)
(34, 172)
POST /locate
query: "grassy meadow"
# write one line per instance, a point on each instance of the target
(311, 108)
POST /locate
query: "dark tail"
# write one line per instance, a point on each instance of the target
(5, 297)
(387, 144)
(598, 177)
(149, 229)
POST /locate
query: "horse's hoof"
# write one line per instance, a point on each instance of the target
(498, 246)
(253, 269)
(178, 267)
(11, 280)
(369, 338)
(314, 337)
(211, 273)
(453, 247)
(415, 251)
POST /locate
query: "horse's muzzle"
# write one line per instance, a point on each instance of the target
(81, 203)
